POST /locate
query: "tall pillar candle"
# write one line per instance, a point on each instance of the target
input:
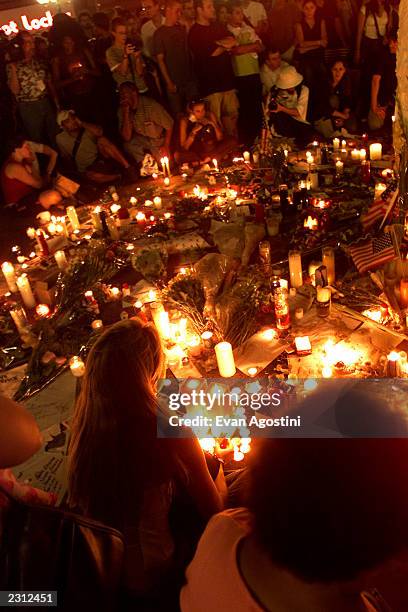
(10, 275)
(96, 218)
(73, 217)
(61, 259)
(328, 259)
(25, 290)
(20, 320)
(225, 359)
(295, 269)
(375, 151)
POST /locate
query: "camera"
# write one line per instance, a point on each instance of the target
(273, 95)
(135, 42)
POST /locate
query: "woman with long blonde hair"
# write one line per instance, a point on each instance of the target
(119, 471)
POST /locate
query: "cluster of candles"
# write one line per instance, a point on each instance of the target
(359, 154)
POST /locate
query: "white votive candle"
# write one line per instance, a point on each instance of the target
(336, 143)
(339, 167)
(25, 290)
(77, 366)
(61, 259)
(157, 201)
(363, 154)
(225, 359)
(355, 155)
(375, 151)
(247, 156)
(379, 190)
(10, 275)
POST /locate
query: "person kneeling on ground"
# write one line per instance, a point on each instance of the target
(144, 125)
(286, 107)
(21, 181)
(201, 136)
(88, 151)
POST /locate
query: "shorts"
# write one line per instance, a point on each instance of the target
(224, 104)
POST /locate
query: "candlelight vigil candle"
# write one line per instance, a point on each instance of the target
(30, 232)
(96, 218)
(255, 157)
(77, 366)
(112, 228)
(97, 324)
(328, 258)
(379, 190)
(207, 338)
(343, 144)
(20, 319)
(225, 359)
(42, 310)
(115, 208)
(247, 156)
(157, 201)
(323, 301)
(343, 154)
(61, 259)
(10, 275)
(393, 364)
(215, 164)
(295, 269)
(355, 155)
(73, 217)
(166, 181)
(339, 167)
(375, 151)
(336, 143)
(25, 290)
(115, 196)
(363, 154)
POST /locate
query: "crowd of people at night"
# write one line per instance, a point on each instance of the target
(190, 80)
(309, 525)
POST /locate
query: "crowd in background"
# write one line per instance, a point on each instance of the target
(192, 80)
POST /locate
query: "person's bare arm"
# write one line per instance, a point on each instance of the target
(225, 44)
(53, 156)
(375, 88)
(17, 171)
(360, 29)
(218, 129)
(201, 486)
(255, 47)
(167, 140)
(171, 87)
(126, 129)
(186, 141)
(95, 130)
(13, 79)
(20, 436)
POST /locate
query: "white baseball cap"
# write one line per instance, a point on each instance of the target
(63, 115)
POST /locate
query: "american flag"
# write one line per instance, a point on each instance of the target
(371, 253)
(380, 206)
